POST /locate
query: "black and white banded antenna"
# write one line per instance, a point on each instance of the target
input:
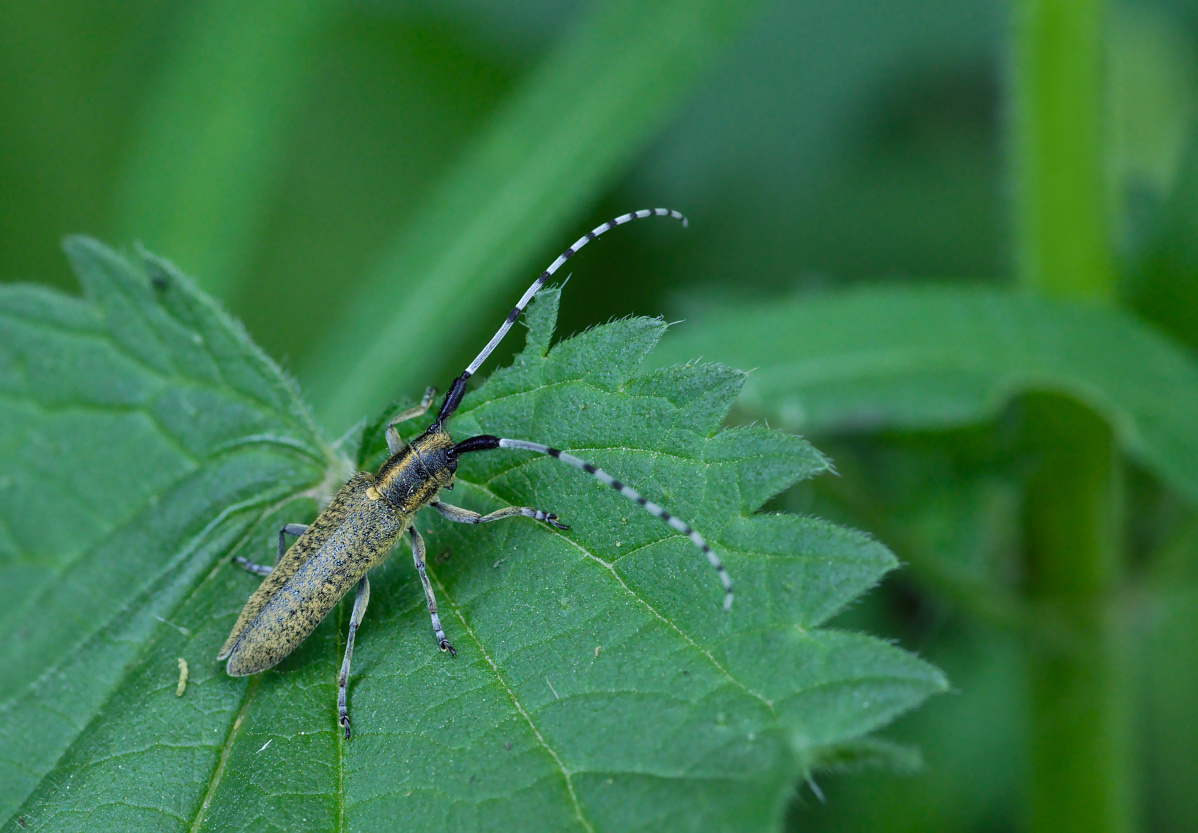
(488, 442)
(457, 390)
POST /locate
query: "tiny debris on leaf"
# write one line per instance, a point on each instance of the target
(182, 686)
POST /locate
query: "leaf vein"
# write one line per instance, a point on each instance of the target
(226, 750)
(586, 825)
(644, 602)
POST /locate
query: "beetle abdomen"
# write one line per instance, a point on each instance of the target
(354, 533)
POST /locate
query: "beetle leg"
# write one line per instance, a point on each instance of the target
(464, 516)
(361, 599)
(418, 557)
(253, 566)
(294, 530)
(394, 443)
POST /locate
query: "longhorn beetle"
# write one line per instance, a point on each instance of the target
(368, 515)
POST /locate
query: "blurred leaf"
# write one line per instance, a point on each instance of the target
(948, 504)
(561, 138)
(972, 744)
(869, 753)
(1152, 85)
(1167, 668)
(939, 357)
(201, 170)
(598, 684)
(838, 142)
(394, 100)
(1163, 283)
(73, 72)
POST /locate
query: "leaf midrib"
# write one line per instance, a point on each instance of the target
(226, 750)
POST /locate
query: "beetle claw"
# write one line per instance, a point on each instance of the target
(551, 519)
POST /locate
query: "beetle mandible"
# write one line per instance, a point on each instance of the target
(370, 513)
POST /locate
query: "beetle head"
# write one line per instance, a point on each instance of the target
(435, 449)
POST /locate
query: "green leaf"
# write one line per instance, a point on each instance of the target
(598, 684)
(142, 436)
(870, 753)
(919, 358)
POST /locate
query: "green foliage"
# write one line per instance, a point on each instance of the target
(317, 164)
(937, 358)
(598, 684)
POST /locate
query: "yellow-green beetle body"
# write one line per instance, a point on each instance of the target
(354, 534)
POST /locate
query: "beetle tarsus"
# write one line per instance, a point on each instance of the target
(345, 724)
(445, 646)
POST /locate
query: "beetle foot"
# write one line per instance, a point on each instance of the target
(345, 724)
(445, 646)
(551, 519)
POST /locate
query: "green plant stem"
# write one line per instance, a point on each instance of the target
(1082, 773)
(1081, 769)
(1062, 238)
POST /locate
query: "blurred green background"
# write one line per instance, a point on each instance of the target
(369, 185)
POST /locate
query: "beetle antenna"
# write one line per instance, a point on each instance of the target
(457, 390)
(487, 443)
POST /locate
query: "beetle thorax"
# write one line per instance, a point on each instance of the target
(412, 476)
